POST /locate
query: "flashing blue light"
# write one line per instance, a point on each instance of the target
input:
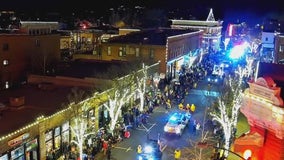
(140, 158)
(174, 117)
(238, 51)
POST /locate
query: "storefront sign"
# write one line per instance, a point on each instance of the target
(18, 140)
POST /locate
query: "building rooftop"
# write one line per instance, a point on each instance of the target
(38, 102)
(149, 36)
(83, 68)
(274, 71)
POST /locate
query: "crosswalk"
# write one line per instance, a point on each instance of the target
(204, 92)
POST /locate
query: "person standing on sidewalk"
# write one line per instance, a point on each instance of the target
(108, 153)
(197, 128)
(105, 146)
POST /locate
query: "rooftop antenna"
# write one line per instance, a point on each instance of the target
(210, 16)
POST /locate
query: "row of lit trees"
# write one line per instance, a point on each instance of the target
(225, 111)
(113, 100)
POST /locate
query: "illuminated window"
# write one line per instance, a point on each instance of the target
(137, 52)
(108, 50)
(281, 48)
(5, 62)
(122, 51)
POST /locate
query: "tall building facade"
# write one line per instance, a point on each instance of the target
(212, 30)
(32, 48)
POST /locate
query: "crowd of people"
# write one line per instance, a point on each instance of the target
(169, 93)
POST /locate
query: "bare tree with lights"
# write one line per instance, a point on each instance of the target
(140, 83)
(226, 109)
(120, 94)
(80, 127)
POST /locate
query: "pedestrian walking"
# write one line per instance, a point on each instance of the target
(177, 154)
(198, 127)
(139, 149)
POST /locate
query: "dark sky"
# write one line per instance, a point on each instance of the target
(239, 9)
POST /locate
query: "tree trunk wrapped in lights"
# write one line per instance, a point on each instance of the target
(141, 86)
(80, 127)
(227, 106)
(120, 95)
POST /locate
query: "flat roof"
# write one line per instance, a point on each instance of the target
(273, 70)
(82, 68)
(149, 36)
(38, 102)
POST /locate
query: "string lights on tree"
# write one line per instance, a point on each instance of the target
(227, 107)
(115, 102)
(80, 129)
(141, 86)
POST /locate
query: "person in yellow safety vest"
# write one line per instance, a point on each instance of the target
(180, 106)
(139, 149)
(169, 103)
(177, 154)
(192, 108)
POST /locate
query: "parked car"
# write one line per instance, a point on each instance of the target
(177, 123)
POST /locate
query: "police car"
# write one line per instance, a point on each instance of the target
(177, 123)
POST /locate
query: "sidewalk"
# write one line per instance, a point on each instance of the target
(100, 156)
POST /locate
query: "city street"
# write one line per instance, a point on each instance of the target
(199, 96)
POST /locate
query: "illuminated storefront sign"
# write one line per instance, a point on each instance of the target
(18, 140)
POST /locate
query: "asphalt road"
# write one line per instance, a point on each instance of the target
(200, 96)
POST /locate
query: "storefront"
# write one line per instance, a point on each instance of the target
(54, 139)
(32, 150)
(24, 148)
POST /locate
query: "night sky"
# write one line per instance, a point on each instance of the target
(236, 9)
